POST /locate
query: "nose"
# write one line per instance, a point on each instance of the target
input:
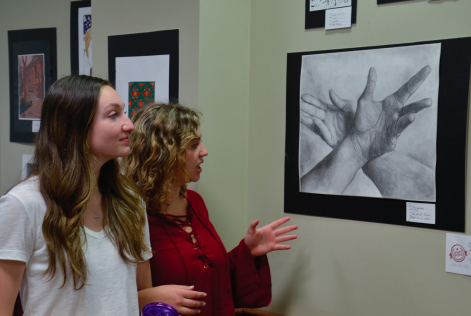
(204, 151)
(128, 126)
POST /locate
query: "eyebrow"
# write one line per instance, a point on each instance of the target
(114, 105)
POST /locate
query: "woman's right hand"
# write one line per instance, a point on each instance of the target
(183, 298)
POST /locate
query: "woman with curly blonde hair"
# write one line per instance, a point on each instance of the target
(74, 235)
(191, 269)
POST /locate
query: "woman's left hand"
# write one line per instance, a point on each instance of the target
(265, 239)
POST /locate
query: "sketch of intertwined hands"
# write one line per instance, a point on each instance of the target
(378, 124)
(332, 122)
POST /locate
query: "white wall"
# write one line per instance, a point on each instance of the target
(339, 267)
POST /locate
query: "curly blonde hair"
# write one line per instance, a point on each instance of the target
(162, 134)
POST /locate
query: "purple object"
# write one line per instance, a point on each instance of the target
(159, 309)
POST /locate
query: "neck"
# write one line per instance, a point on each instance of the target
(177, 205)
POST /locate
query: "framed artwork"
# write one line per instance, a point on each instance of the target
(81, 37)
(370, 133)
(33, 68)
(315, 11)
(144, 68)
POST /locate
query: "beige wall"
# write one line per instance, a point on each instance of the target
(17, 15)
(339, 267)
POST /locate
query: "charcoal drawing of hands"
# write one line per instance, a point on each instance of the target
(332, 122)
(378, 124)
(369, 132)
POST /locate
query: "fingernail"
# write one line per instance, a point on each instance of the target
(205, 294)
(199, 311)
(204, 303)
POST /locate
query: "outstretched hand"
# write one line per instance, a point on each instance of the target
(332, 122)
(265, 239)
(378, 124)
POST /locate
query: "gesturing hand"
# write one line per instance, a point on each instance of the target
(332, 122)
(378, 124)
(265, 239)
(183, 298)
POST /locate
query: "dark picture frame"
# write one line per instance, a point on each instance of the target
(389, 1)
(454, 74)
(29, 42)
(316, 19)
(149, 44)
(74, 38)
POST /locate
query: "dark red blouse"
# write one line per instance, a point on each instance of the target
(233, 279)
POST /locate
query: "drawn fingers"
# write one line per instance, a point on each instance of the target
(313, 106)
(370, 85)
(338, 102)
(318, 127)
(416, 107)
(403, 94)
(403, 122)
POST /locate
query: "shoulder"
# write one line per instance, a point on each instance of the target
(193, 196)
(27, 193)
(197, 202)
(26, 196)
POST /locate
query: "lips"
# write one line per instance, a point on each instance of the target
(125, 139)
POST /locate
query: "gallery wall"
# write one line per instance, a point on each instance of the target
(123, 18)
(233, 65)
(340, 267)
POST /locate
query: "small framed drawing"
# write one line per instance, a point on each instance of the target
(389, 1)
(144, 68)
(81, 37)
(315, 11)
(33, 68)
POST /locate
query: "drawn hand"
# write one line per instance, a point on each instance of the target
(183, 298)
(332, 122)
(378, 124)
(265, 239)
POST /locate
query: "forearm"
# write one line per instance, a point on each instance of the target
(398, 175)
(335, 172)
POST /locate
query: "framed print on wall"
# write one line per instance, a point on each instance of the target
(378, 134)
(33, 68)
(315, 11)
(81, 37)
(144, 67)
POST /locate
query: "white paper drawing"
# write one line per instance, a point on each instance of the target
(368, 122)
(316, 5)
(143, 68)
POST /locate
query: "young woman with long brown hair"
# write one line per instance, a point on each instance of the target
(166, 154)
(74, 235)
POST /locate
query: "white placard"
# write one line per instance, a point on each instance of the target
(458, 254)
(338, 18)
(317, 5)
(420, 213)
(35, 126)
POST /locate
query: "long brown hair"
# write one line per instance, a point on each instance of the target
(66, 181)
(162, 133)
